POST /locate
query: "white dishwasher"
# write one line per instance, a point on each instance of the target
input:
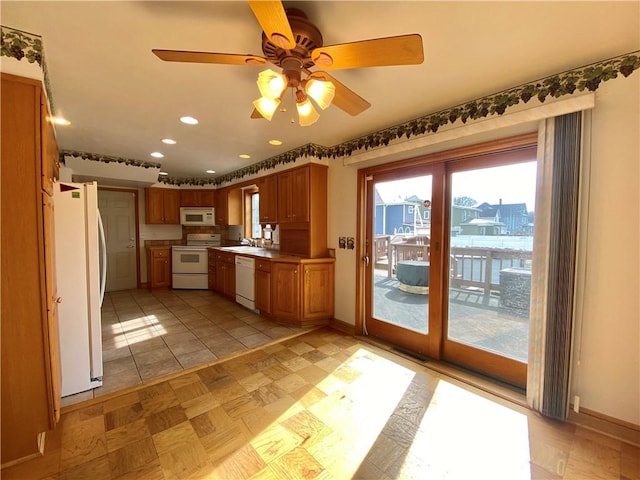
(245, 281)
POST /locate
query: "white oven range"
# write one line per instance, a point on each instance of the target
(189, 263)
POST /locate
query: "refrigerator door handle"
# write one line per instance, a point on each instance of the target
(103, 258)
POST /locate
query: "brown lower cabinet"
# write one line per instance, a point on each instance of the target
(159, 265)
(290, 290)
(263, 286)
(302, 293)
(226, 274)
(211, 269)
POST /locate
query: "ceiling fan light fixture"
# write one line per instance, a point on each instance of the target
(271, 84)
(307, 114)
(266, 106)
(321, 91)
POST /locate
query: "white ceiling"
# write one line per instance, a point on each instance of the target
(121, 99)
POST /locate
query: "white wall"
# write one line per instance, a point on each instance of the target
(606, 373)
(608, 378)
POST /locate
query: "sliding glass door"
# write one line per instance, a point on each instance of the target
(400, 269)
(490, 247)
(447, 270)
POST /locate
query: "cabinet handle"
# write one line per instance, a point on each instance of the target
(58, 300)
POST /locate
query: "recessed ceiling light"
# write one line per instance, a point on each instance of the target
(189, 120)
(163, 173)
(210, 171)
(168, 141)
(157, 155)
(244, 155)
(60, 121)
(275, 142)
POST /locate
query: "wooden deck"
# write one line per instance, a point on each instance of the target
(475, 319)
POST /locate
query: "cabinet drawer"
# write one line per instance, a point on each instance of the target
(160, 253)
(263, 265)
(226, 257)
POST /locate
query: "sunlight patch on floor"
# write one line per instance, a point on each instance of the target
(492, 439)
(137, 330)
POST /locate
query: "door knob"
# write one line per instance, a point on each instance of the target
(131, 246)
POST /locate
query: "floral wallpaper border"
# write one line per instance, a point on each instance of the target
(588, 77)
(107, 159)
(27, 46)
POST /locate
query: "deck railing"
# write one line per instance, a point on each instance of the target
(469, 266)
(480, 267)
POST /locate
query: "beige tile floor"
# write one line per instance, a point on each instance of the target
(148, 334)
(320, 405)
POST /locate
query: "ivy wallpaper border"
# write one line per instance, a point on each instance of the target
(588, 77)
(94, 157)
(22, 46)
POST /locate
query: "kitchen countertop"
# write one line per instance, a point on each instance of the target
(258, 252)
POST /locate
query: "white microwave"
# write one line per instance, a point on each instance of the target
(197, 216)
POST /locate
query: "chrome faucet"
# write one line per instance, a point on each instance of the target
(248, 241)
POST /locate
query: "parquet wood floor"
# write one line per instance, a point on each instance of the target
(321, 405)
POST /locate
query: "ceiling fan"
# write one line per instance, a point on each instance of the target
(291, 42)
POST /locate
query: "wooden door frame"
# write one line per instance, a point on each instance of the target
(483, 361)
(137, 224)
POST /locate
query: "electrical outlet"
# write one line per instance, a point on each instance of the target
(351, 244)
(342, 242)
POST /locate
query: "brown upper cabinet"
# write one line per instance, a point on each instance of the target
(268, 188)
(162, 205)
(302, 210)
(294, 190)
(197, 198)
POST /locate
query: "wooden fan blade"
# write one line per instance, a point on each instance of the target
(378, 52)
(345, 98)
(273, 20)
(208, 57)
(256, 114)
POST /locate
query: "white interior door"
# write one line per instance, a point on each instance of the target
(119, 219)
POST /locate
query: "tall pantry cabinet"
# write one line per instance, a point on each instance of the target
(29, 332)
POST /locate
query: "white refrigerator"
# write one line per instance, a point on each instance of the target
(80, 273)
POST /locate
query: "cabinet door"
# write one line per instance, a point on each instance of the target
(189, 198)
(211, 270)
(318, 292)
(268, 188)
(230, 280)
(285, 291)
(263, 291)
(171, 205)
(284, 197)
(161, 271)
(207, 198)
(221, 206)
(154, 205)
(299, 202)
(220, 276)
(52, 329)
